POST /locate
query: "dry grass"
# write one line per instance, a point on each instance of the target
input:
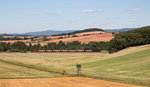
(13, 41)
(60, 82)
(93, 32)
(53, 60)
(18, 36)
(15, 71)
(62, 60)
(86, 39)
(129, 50)
(93, 36)
(128, 66)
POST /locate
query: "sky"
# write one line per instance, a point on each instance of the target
(19, 16)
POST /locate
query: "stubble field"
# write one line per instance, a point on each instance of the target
(129, 66)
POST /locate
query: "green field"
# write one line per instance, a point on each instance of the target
(131, 65)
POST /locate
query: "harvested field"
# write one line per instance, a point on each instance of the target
(55, 37)
(86, 39)
(13, 41)
(17, 71)
(18, 36)
(93, 32)
(130, 66)
(93, 36)
(60, 82)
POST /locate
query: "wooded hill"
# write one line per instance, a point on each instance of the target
(139, 36)
(80, 31)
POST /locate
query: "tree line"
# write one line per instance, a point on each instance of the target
(140, 36)
(80, 31)
(12, 38)
(75, 45)
(137, 37)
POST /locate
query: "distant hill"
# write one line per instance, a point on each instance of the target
(44, 33)
(5, 34)
(80, 31)
(118, 30)
(68, 32)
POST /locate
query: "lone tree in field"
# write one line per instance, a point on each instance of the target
(78, 69)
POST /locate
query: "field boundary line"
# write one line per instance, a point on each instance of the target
(73, 75)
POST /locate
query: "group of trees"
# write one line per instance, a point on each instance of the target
(75, 45)
(122, 40)
(140, 36)
(15, 47)
(12, 38)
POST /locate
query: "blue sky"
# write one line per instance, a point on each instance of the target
(18, 16)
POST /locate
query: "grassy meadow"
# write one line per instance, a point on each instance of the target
(131, 65)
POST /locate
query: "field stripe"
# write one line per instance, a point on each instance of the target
(31, 66)
(128, 57)
(61, 82)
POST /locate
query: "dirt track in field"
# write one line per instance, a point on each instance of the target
(60, 82)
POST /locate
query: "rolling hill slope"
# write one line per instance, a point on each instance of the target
(86, 39)
(131, 65)
(132, 68)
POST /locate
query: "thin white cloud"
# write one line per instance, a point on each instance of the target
(135, 9)
(90, 11)
(134, 20)
(57, 13)
(93, 25)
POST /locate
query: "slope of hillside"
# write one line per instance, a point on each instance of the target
(13, 41)
(81, 31)
(90, 33)
(86, 39)
(131, 65)
(118, 30)
(132, 68)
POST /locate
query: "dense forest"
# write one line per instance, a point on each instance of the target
(139, 36)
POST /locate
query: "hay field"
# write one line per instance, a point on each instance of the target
(60, 82)
(13, 41)
(14, 71)
(60, 61)
(86, 39)
(131, 65)
(92, 32)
